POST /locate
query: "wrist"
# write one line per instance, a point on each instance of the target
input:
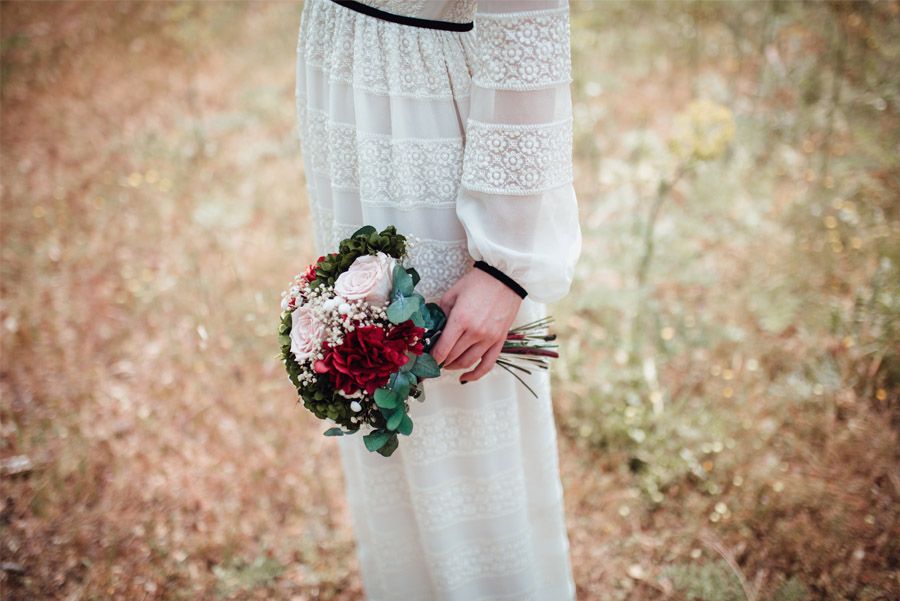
(502, 277)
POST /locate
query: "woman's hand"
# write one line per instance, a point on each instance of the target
(480, 310)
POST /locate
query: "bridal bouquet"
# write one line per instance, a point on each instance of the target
(355, 337)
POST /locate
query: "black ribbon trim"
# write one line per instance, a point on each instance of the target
(502, 277)
(404, 20)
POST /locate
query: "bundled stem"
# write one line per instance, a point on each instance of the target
(526, 347)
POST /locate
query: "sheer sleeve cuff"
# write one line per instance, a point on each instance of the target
(511, 283)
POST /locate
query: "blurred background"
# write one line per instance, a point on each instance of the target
(726, 400)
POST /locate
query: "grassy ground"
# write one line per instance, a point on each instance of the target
(727, 401)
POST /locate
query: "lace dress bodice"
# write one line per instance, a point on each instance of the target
(488, 138)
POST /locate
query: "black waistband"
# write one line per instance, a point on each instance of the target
(415, 21)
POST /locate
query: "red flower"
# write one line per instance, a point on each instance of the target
(310, 273)
(364, 360)
(410, 334)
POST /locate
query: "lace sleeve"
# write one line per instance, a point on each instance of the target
(516, 200)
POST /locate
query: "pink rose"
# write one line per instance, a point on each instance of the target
(307, 333)
(369, 277)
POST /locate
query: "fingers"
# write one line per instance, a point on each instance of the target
(451, 331)
(465, 344)
(447, 300)
(469, 356)
(487, 362)
(446, 341)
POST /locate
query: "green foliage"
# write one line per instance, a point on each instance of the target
(390, 446)
(322, 400)
(433, 320)
(426, 367)
(401, 383)
(416, 278)
(392, 403)
(754, 286)
(239, 575)
(403, 308)
(376, 439)
(402, 284)
(717, 581)
(394, 420)
(763, 300)
(287, 357)
(382, 441)
(365, 241)
(405, 302)
(706, 582)
(406, 425)
(386, 398)
(791, 590)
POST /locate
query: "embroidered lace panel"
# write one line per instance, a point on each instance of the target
(494, 557)
(517, 159)
(459, 432)
(380, 57)
(409, 173)
(448, 504)
(523, 50)
(440, 264)
(404, 173)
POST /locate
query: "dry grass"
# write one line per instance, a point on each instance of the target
(153, 207)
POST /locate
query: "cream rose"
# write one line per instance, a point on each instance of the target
(369, 277)
(307, 333)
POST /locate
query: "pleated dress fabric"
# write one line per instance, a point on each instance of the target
(462, 140)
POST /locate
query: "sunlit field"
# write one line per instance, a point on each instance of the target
(727, 397)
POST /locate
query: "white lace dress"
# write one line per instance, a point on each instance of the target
(463, 139)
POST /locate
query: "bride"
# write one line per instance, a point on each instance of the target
(452, 120)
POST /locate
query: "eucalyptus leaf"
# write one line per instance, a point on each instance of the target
(336, 431)
(426, 367)
(402, 308)
(406, 425)
(390, 446)
(434, 316)
(376, 439)
(387, 399)
(402, 281)
(395, 420)
(401, 385)
(414, 275)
